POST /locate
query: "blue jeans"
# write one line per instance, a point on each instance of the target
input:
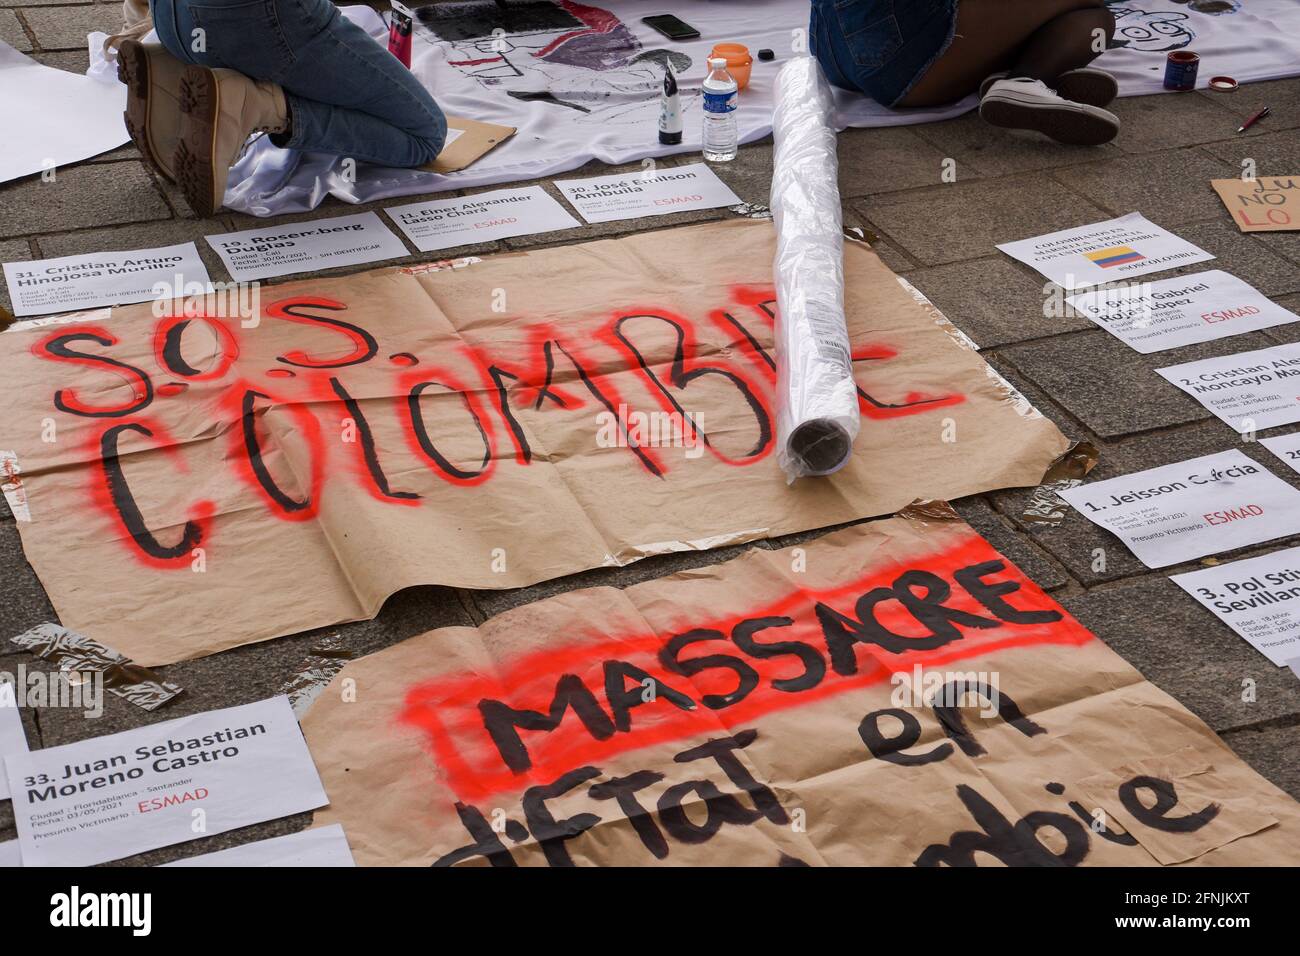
(880, 47)
(346, 93)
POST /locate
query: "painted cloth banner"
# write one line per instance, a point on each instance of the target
(581, 81)
(895, 693)
(490, 426)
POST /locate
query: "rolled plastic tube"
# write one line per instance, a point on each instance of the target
(817, 401)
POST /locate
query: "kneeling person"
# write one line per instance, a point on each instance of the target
(296, 70)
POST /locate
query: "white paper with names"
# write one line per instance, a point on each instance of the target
(289, 248)
(500, 214)
(1107, 251)
(1154, 316)
(70, 283)
(1286, 447)
(1249, 390)
(1259, 598)
(13, 740)
(111, 797)
(326, 846)
(1191, 509)
(648, 192)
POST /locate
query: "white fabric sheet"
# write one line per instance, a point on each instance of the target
(581, 82)
(51, 118)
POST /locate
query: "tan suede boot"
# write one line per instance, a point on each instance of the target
(153, 111)
(220, 110)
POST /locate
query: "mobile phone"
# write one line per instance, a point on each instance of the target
(671, 27)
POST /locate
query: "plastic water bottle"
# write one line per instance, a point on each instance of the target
(721, 139)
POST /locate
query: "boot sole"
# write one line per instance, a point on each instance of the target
(1073, 126)
(200, 102)
(133, 71)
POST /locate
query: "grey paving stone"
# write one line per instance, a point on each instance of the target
(1113, 389)
(1070, 426)
(11, 32)
(168, 232)
(25, 604)
(1186, 651)
(98, 194)
(73, 61)
(886, 159)
(17, 251)
(1274, 153)
(984, 150)
(45, 3)
(966, 220)
(1169, 120)
(1250, 98)
(1272, 752)
(66, 28)
(994, 301)
(998, 531)
(1170, 187)
(1286, 244)
(1245, 256)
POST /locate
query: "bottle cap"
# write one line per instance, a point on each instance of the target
(717, 63)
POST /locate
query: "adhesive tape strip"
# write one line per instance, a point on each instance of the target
(1223, 84)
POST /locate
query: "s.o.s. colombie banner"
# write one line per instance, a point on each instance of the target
(195, 482)
(896, 693)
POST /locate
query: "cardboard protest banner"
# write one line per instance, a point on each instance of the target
(1266, 204)
(195, 482)
(895, 693)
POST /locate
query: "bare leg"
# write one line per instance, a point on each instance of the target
(1040, 39)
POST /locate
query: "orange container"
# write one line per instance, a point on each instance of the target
(738, 60)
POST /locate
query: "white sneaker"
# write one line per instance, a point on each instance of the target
(1087, 84)
(1029, 104)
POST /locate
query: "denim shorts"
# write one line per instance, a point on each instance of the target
(880, 47)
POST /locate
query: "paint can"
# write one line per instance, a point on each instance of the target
(1180, 70)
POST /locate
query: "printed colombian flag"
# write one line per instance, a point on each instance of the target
(1115, 256)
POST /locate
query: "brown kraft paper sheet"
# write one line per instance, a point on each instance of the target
(753, 713)
(195, 484)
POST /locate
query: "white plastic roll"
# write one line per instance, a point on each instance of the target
(817, 401)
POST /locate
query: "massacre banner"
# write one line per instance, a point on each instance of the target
(895, 693)
(188, 482)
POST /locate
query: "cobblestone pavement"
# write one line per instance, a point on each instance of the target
(941, 236)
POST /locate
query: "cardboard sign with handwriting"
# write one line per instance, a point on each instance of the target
(1266, 204)
(893, 694)
(223, 479)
